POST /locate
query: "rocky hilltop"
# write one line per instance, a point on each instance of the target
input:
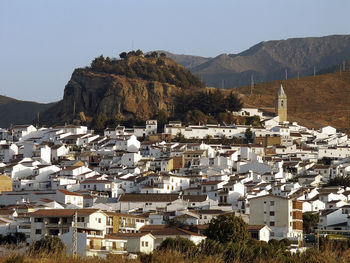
(134, 87)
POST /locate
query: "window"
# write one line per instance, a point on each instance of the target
(272, 223)
(37, 220)
(272, 203)
(99, 220)
(146, 244)
(272, 213)
(38, 231)
(143, 244)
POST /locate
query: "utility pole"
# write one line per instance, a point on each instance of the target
(340, 69)
(286, 74)
(75, 235)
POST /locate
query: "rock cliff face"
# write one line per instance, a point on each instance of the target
(89, 93)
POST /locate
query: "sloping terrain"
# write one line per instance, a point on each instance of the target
(14, 111)
(314, 101)
(269, 60)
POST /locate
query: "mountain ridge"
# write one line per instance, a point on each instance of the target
(269, 60)
(14, 111)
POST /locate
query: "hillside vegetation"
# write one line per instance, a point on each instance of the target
(313, 101)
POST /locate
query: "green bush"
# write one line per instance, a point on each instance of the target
(227, 228)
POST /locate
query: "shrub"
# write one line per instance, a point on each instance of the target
(15, 259)
(49, 245)
(182, 245)
(227, 228)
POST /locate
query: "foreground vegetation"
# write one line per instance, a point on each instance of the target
(327, 254)
(227, 241)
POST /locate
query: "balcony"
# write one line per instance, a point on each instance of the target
(130, 225)
(297, 205)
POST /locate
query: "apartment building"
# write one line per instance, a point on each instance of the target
(283, 216)
(55, 222)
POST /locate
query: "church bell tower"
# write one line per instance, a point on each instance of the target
(281, 104)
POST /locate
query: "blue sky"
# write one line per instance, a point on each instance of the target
(42, 41)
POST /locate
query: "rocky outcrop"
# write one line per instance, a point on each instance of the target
(90, 93)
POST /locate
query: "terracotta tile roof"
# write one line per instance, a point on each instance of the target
(95, 182)
(129, 235)
(62, 212)
(160, 198)
(114, 237)
(168, 231)
(211, 182)
(124, 215)
(255, 227)
(63, 191)
(209, 211)
(6, 212)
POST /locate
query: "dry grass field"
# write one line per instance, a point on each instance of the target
(313, 101)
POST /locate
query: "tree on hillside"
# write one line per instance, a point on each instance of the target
(153, 54)
(98, 63)
(233, 103)
(98, 123)
(310, 221)
(252, 120)
(227, 228)
(139, 52)
(248, 135)
(123, 55)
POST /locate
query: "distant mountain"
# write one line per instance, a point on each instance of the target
(270, 60)
(14, 111)
(187, 61)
